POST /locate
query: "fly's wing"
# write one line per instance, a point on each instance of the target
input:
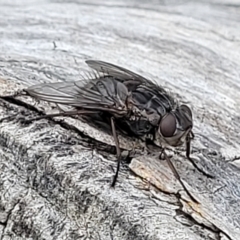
(146, 93)
(130, 79)
(115, 71)
(104, 94)
(59, 92)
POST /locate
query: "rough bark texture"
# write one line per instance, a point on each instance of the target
(55, 174)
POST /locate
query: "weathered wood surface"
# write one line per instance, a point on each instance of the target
(54, 186)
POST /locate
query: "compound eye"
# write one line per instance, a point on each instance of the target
(168, 125)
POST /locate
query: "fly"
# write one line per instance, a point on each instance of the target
(129, 102)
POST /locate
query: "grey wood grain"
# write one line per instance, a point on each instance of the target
(55, 174)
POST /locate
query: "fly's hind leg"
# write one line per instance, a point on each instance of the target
(118, 151)
(61, 114)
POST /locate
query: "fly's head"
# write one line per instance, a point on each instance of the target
(176, 126)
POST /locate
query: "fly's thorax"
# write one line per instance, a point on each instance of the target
(141, 111)
(175, 126)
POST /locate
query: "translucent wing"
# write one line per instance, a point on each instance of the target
(115, 71)
(130, 79)
(104, 93)
(146, 93)
(60, 92)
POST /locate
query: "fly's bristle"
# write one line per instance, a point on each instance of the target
(88, 75)
(95, 74)
(104, 71)
(99, 74)
(82, 76)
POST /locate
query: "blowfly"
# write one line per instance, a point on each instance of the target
(129, 102)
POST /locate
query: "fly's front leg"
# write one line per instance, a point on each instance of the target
(190, 136)
(188, 149)
(117, 149)
(177, 176)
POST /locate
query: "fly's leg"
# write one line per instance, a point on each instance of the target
(10, 118)
(164, 156)
(77, 112)
(188, 148)
(190, 136)
(118, 151)
(170, 164)
(69, 113)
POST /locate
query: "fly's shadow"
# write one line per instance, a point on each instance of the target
(126, 101)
